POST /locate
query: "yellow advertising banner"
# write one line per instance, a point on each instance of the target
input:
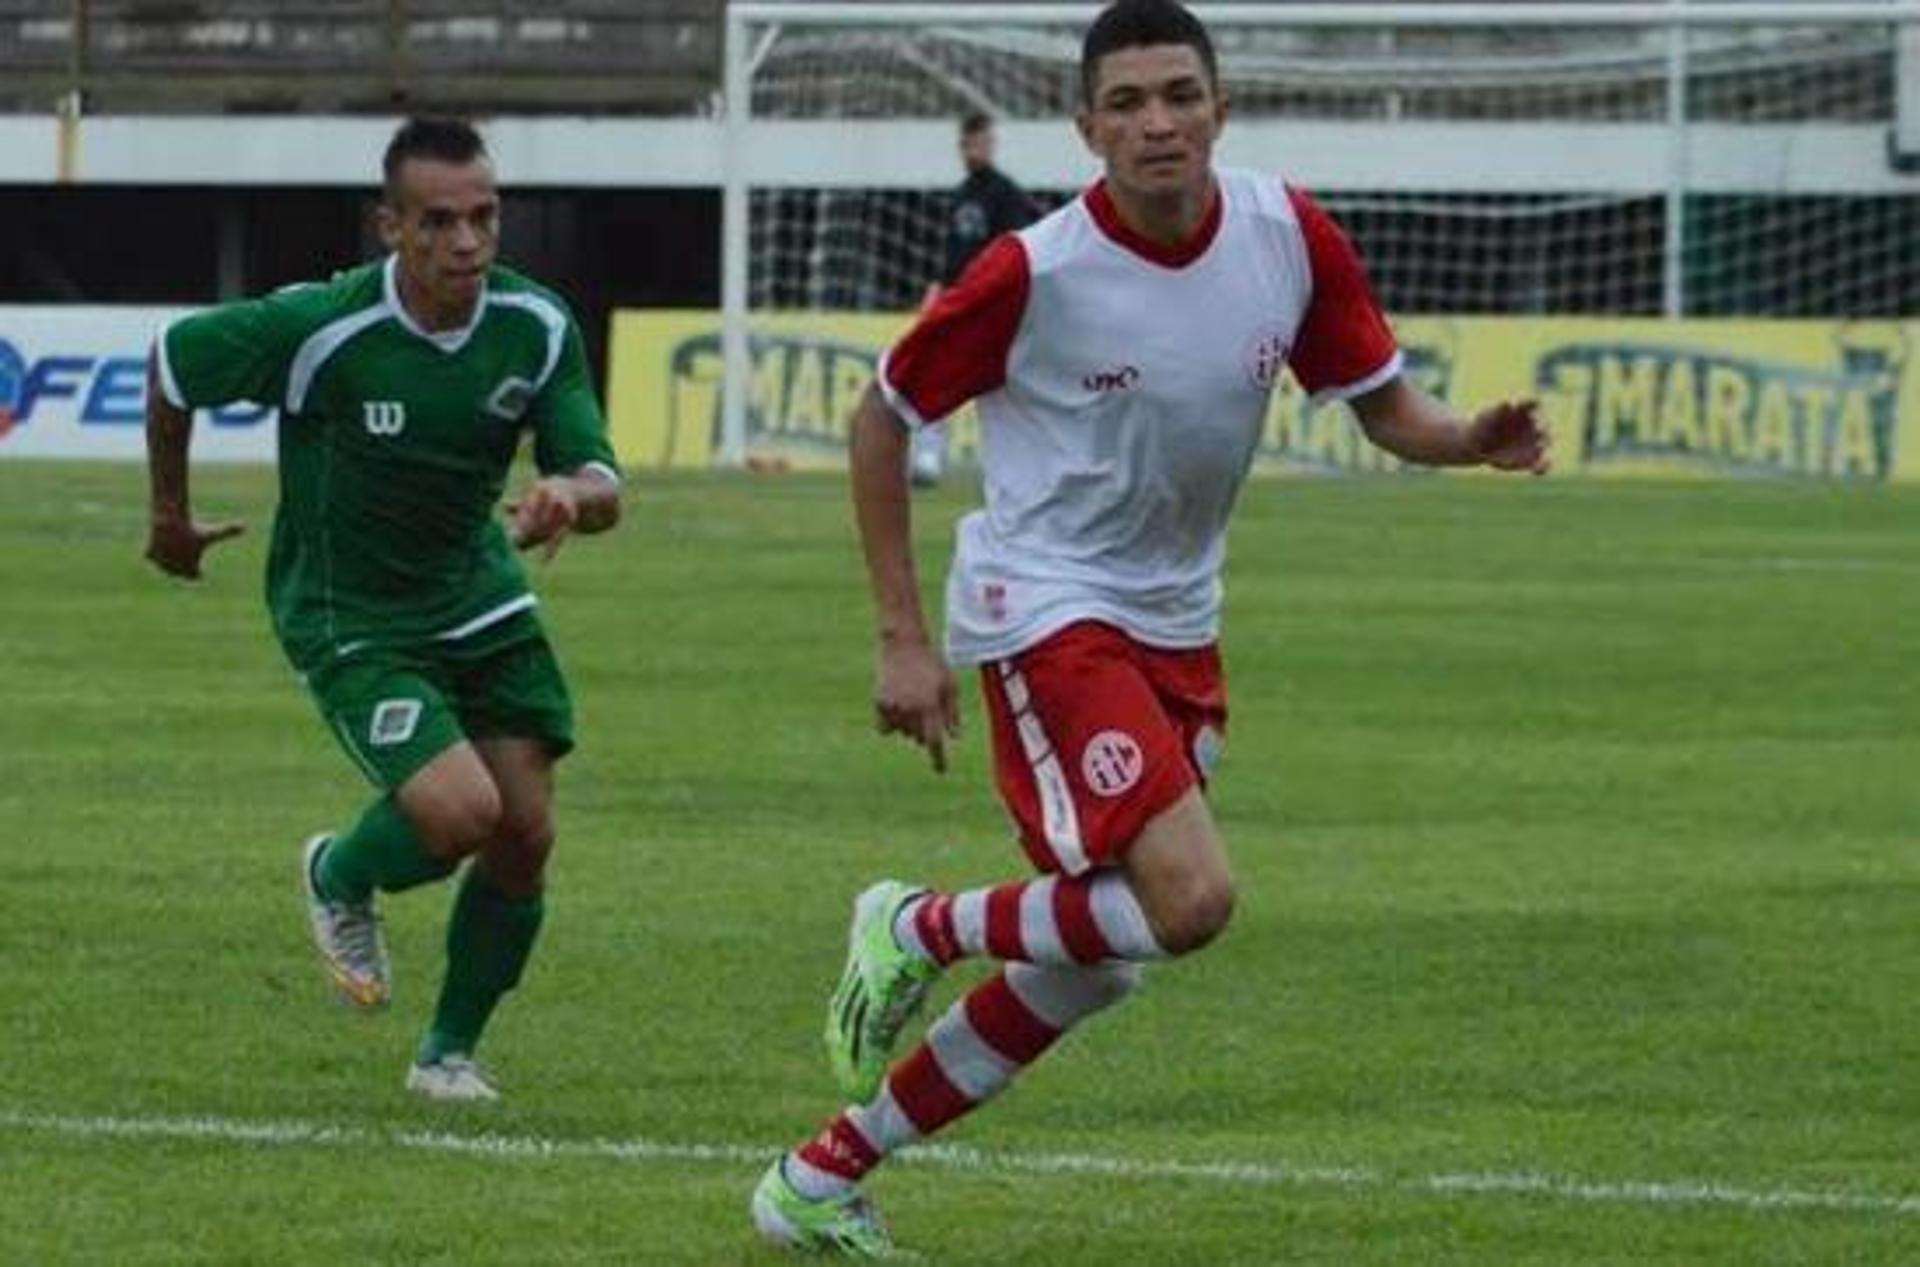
(1820, 400)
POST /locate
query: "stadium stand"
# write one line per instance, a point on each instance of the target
(354, 56)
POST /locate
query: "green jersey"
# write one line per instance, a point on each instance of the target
(394, 448)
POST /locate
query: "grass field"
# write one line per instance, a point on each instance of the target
(1578, 829)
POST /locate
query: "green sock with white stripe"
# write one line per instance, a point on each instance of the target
(381, 851)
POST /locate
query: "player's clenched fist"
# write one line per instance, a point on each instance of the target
(544, 515)
(1508, 436)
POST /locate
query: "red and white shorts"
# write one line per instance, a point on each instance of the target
(1094, 734)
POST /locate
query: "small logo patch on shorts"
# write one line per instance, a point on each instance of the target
(394, 721)
(1112, 762)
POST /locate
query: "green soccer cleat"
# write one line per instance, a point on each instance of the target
(846, 1225)
(881, 989)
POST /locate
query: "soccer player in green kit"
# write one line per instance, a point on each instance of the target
(404, 388)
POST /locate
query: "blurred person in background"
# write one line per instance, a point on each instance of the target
(984, 205)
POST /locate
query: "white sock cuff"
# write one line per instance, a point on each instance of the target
(812, 1182)
(882, 1123)
(1039, 929)
(976, 1070)
(970, 921)
(1121, 919)
(1062, 997)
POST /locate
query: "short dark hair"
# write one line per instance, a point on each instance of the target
(974, 122)
(1139, 24)
(442, 139)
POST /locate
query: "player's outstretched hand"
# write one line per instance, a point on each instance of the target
(914, 695)
(175, 544)
(1508, 437)
(544, 515)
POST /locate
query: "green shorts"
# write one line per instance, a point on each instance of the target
(395, 710)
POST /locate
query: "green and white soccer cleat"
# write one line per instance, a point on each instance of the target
(846, 1225)
(348, 936)
(881, 989)
(452, 1079)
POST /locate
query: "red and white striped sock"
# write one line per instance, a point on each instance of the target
(1059, 921)
(968, 1056)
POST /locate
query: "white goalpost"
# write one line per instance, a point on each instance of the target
(1667, 158)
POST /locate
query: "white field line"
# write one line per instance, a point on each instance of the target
(1812, 563)
(1255, 1174)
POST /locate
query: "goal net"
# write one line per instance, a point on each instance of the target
(1703, 159)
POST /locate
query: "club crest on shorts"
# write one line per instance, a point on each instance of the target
(1112, 762)
(394, 721)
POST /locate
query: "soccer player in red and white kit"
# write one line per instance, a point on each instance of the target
(1121, 352)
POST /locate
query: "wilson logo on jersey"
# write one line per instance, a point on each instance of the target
(1124, 378)
(510, 399)
(1112, 762)
(384, 417)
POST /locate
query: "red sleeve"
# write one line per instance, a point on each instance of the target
(958, 348)
(1344, 338)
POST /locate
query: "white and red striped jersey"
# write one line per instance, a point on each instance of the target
(1121, 387)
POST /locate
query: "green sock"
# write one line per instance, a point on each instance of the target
(489, 939)
(380, 851)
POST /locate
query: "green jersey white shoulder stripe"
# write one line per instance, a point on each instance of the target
(323, 343)
(550, 315)
(169, 386)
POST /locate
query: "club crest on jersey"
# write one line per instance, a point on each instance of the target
(1121, 378)
(384, 417)
(510, 399)
(1266, 356)
(1112, 762)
